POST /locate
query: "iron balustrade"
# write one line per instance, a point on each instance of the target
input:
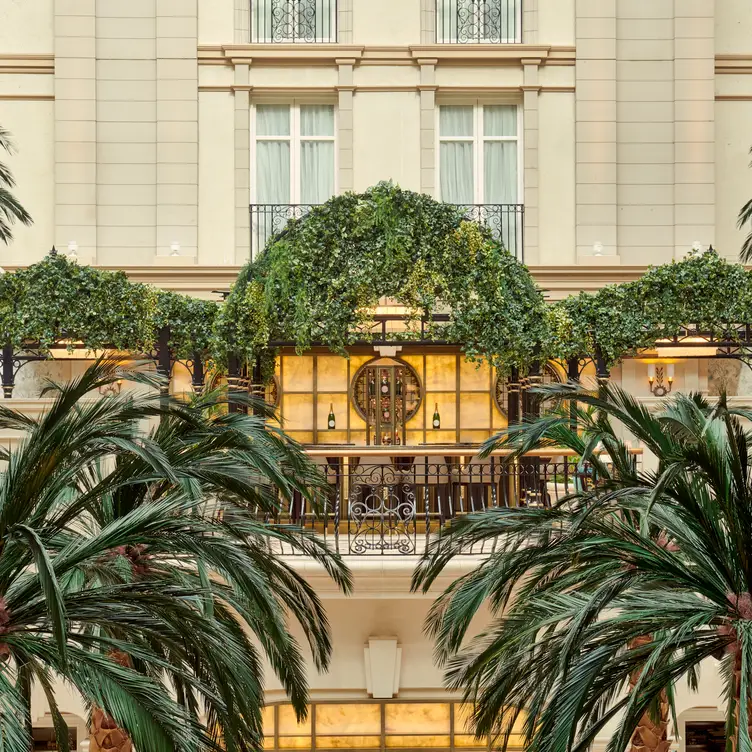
(506, 222)
(293, 21)
(479, 21)
(396, 506)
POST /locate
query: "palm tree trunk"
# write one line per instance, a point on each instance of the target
(104, 734)
(651, 734)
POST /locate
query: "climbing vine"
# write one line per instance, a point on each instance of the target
(702, 291)
(321, 279)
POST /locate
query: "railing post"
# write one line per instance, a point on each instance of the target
(164, 360)
(233, 383)
(8, 375)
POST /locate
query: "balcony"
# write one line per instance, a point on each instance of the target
(506, 222)
(397, 505)
(293, 21)
(479, 21)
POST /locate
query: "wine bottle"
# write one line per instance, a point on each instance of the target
(371, 385)
(331, 421)
(436, 416)
(384, 384)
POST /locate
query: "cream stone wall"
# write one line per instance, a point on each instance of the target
(133, 119)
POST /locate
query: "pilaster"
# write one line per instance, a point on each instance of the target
(531, 91)
(177, 127)
(345, 90)
(242, 22)
(242, 91)
(530, 21)
(694, 124)
(76, 126)
(428, 127)
(596, 173)
(428, 21)
(344, 21)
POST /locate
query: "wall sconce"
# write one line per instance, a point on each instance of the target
(72, 250)
(175, 248)
(111, 390)
(660, 379)
(597, 248)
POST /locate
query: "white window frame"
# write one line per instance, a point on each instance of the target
(441, 39)
(478, 140)
(295, 139)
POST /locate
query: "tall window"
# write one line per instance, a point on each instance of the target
(479, 154)
(478, 21)
(294, 153)
(282, 21)
(293, 165)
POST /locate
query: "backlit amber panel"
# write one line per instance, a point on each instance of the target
(348, 742)
(475, 410)
(297, 410)
(416, 717)
(288, 722)
(447, 404)
(441, 373)
(297, 373)
(474, 376)
(331, 373)
(356, 718)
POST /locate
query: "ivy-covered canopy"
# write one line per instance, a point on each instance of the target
(320, 281)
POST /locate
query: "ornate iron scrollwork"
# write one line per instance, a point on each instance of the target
(382, 511)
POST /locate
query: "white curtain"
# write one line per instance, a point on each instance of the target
(456, 157)
(500, 157)
(316, 157)
(272, 172)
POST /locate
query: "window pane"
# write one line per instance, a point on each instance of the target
(500, 172)
(273, 172)
(317, 120)
(500, 120)
(456, 172)
(316, 171)
(456, 120)
(273, 120)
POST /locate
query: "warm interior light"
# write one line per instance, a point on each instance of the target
(651, 372)
(670, 373)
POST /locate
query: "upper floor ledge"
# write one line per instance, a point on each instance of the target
(333, 54)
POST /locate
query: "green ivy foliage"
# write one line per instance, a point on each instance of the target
(320, 280)
(57, 299)
(702, 291)
(191, 321)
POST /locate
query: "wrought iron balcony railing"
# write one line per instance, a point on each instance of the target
(293, 21)
(479, 21)
(506, 222)
(401, 504)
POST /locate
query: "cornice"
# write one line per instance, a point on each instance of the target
(733, 64)
(331, 54)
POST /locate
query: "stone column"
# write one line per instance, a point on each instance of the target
(76, 126)
(529, 21)
(694, 125)
(344, 22)
(531, 91)
(177, 127)
(428, 22)
(595, 75)
(242, 92)
(345, 91)
(242, 22)
(427, 90)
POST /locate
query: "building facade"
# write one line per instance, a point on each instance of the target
(170, 138)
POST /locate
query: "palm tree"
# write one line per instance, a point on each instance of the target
(602, 603)
(119, 576)
(10, 209)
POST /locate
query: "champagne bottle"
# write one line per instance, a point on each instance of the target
(384, 384)
(436, 416)
(331, 421)
(371, 385)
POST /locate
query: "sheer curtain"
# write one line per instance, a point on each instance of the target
(500, 173)
(272, 171)
(316, 156)
(456, 156)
